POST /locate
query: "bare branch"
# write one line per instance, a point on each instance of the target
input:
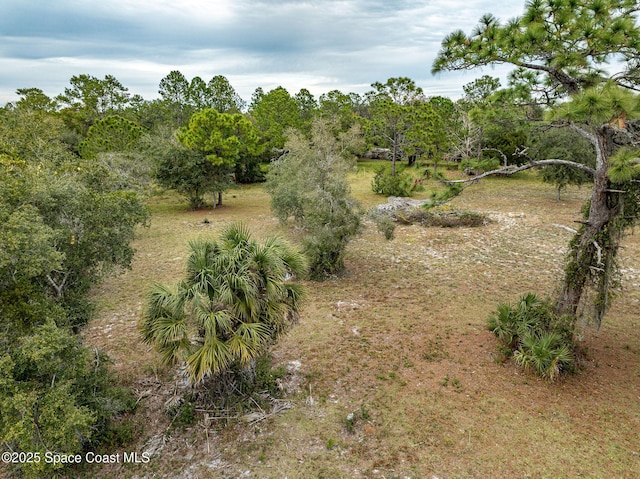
(58, 287)
(582, 132)
(566, 228)
(513, 169)
(504, 157)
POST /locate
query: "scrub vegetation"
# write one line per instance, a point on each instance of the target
(490, 330)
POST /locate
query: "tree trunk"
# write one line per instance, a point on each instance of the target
(394, 152)
(595, 245)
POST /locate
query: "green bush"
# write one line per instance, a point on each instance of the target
(547, 354)
(539, 339)
(385, 225)
(330, 231)
(309, 183)
(186, 414)
(56, 395)
(400, 184)
(266, 377)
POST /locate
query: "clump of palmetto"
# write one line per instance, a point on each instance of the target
(538, 338)
(234, 301)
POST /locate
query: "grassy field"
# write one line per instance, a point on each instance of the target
(392, 373)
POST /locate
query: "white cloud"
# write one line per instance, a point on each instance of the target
(315, 44)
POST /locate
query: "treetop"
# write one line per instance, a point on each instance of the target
(567, 41)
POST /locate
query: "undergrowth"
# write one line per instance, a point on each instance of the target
(536, 337)
(230, 396)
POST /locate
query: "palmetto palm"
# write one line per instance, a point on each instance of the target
(234, 301)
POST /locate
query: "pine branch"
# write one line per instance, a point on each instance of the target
(513, 169)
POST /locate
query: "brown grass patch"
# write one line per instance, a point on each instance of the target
(399, 342)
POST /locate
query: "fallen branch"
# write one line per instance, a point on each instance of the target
(570, 230)
(513, 169)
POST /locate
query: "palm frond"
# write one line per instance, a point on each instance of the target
(168, 330)
(213, 357)
(174, 352)
(295, 295)
(218, 324)
(162, 303)
(235, 235)
(233, 301)
(249, 342)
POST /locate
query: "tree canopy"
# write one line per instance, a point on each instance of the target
(273, 113)
(401, 119)
(113, 133)
(226, 140)
(558, 47)
(61, 232)
(561, 51)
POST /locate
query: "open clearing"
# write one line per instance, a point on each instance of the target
(400, 343)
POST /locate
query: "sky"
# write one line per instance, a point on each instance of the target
(320, 45)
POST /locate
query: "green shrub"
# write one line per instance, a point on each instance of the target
(331, 232)
(265, 378)
(383, 183)
(540, 340)
(186, 414)
(120, 433)
(56, 395)
(385, 225)
(547, 354)
(309, 183)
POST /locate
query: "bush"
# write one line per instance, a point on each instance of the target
(385, 225)
(309, 183)
(265, 378)
(383, 183)
(546, 354)
(234, 302)
(539, 339)
(55, 395)
(329, 233)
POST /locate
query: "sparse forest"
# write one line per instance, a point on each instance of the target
(222, 286)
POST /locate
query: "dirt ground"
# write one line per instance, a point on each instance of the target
(392, 371)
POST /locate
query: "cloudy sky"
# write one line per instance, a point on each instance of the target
(320, 45)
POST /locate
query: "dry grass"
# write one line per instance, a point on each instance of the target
(400, 342)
